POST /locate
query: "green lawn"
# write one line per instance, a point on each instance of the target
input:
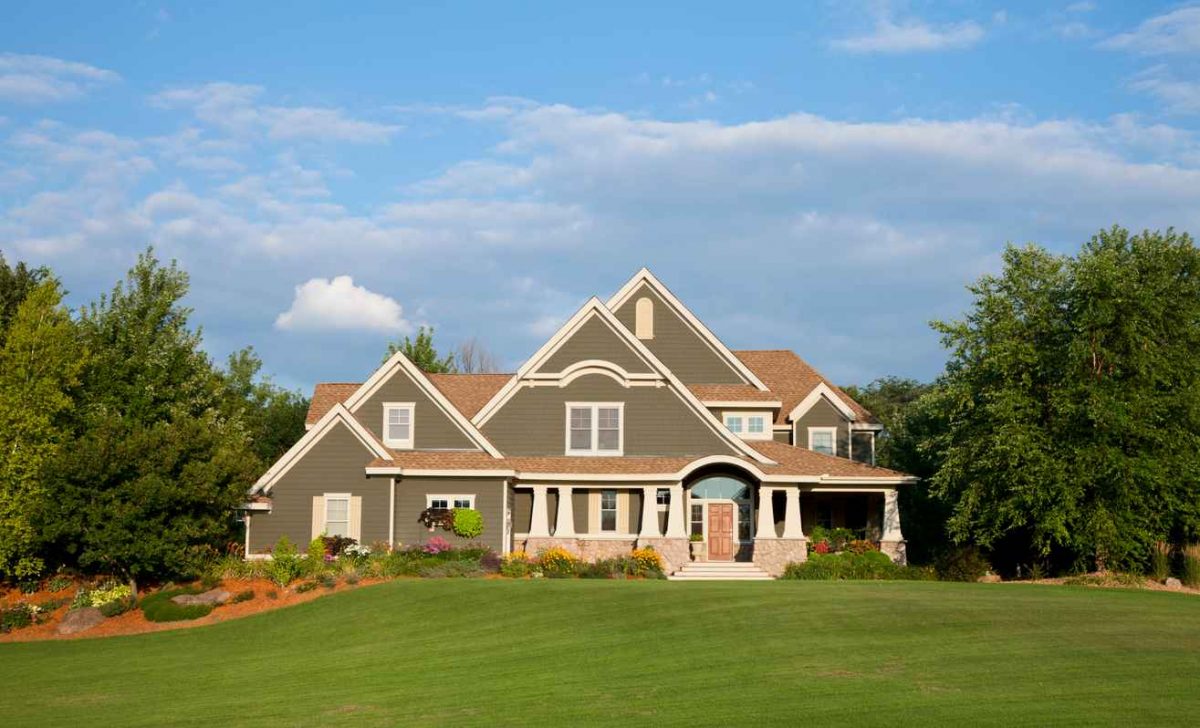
(441, 652)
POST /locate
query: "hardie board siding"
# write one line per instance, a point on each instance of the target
(677, 345)
(411, 497)
(824, 414)
(595, 340)
(334, 465)
(657, 421)
(433, 428)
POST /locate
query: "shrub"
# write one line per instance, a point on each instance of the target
(357, 554)
(432, 518)
(849, 565)
(516, 565)
(1107, 579)
(437, 545)
(117, 606)
(1160, 561)
(836, 539)
(467, 522)
(242, 596)
(18, 616)
(648, 561)
(557, 562)
(962, 564)
(53, 604)
(327, 580)
(821, 547)
(1191, 565)
(60, 582)
(442, 569)
(109, 592)
(284, 566)
(306, 586)
(861, 546)
(83, 598)
(272, 594)
(490, 562)
(158, 607)
(352, 577)
(29, 586)
(335, 546)
(315, 558)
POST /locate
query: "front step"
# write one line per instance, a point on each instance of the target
(720, 571)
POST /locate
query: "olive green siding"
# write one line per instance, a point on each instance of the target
(432, 428)
(595, 339)
(522, 509)
(657, 421)
(411, 498)
(824, 414)
(784, 436)
(678, 345)
(333, 465)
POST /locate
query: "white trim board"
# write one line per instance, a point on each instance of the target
(819, 391)
(645, 276)
(337, 413)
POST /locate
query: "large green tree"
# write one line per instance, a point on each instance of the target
(1072, 400)
(422, 352)
(40, 363)
(273, 416)
(16, 282)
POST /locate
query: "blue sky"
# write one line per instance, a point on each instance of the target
(825, 177)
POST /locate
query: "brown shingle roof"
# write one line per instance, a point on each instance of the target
(791, 379)
(731, 393)
(325, 396)
(469, 392)
(799, 461)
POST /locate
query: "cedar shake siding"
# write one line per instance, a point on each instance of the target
(596, 340)
(657, 421)
(824, 414)
(677, 345)
(410, 501)
(432, 428)
(334, 465)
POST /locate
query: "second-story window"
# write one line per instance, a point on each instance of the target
(823, 439)
(398, 425)
(595, 428)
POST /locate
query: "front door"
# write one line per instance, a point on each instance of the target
(720, 532)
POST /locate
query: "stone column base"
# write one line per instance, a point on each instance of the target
(534, 544)
(674, 551)
(896, 549)
(772, 555)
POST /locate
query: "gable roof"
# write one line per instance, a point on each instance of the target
(325, 396)
(337, 414)
(645, 277)
(792, 380)
(469, 392)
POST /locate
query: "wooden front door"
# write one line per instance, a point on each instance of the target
(720, 532)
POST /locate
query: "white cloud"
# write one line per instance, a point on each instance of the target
(33, 79)
(323, 304)
(1175, 32)
(1182, 97)
(912, 35)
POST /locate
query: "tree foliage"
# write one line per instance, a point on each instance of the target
(421, 351)
(273, 416)
(16, 282)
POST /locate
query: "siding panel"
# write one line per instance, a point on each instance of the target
(824, 414)
(595, 340)
(410, 501)
(433, 429)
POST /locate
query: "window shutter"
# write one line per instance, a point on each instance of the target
(318, 516)
(356, 518)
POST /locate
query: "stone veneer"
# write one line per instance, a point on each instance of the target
(772, 555)
(674, 551)
(896, 549)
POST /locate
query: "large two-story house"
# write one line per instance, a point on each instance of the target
(632, 426)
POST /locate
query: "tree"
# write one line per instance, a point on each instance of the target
(421, 352)
(158, 461)
(1072, 399)
(15, 284)
(40, 363)
(274, 417)
(472, 357)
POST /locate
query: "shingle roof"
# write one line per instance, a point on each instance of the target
(791, 379)
(325, 396)
(469, 392)
(731, 393)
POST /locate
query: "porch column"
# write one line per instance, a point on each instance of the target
(675, 525)
(564, 524)
(891, 516)
(539, 526)
(791, 516)
(766, 513)
(649, 513)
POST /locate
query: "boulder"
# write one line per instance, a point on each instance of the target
(1172, 583)
(79, 620)
(989, 579)
(212, 596)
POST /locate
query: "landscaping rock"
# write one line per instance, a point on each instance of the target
(1172, 583)
(990, 579)
(212, 596)
(79, 620)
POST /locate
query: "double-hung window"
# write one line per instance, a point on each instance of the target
(823, 439)
(662, 497)
(608, 510)
(398, 425)
(337, 515)
(595, 428)
(449, 501)
(748, 426)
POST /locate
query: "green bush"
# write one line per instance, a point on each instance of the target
(962, 564)
(1191, 565)
(117, 606)
(314, 558)
(18, 616)
(242, 596)
(468, 522)
(285, 565)
(60, 582)
(1160, 560)
(158, 607)
(443, 569)
(836, 538)
(306, 587)
(83, 598)
(110, 592)
(871, 565)
(327, 580)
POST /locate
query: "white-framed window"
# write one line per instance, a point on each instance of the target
(398, 424)
(595, 428)
(608, 510)
(697, 519)
(449, 501)
(823, 439)
(662, 497)
(337, 514)
(748, 425)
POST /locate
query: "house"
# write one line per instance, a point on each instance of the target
(632, 426)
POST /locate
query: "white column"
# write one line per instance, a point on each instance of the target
(766, 513)
(891, 516)
(392, 515)
(650, 513)
(564, 525)
(676, 528)
(539, 526)
(791, 516)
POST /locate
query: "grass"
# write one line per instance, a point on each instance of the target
(567, 652)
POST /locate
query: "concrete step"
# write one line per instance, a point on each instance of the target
(720, 571)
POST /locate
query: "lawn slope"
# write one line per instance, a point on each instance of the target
(473, 652)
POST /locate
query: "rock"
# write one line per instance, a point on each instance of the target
(212, 596)
(989, 579)
(79, 620)
(1172, 583)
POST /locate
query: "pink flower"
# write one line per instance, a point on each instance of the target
(437, 545)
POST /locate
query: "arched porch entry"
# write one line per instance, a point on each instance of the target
(721, 508)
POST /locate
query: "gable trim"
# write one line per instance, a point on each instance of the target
(821, 390)
(338, 413)
(645, 276)
(400, 361)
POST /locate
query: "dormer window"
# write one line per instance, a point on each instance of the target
(595, 428)
(823, 439)
(748, 425)
(398, 425)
